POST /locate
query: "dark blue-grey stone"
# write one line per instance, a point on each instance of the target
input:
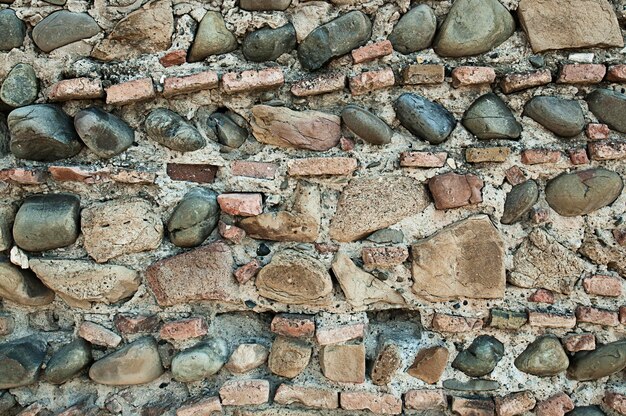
(609, 107)
(519, 201)
(13, 30)
(62, 28)
(103, 133)
(227, 131)
(268, 44)
(20, 361)
(194, 218)
(20, 87)
(68, 362)
(489, 118)
(415, 30)
(561, 116)
(426, 119)
(366, 125)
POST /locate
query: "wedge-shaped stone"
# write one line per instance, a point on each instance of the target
(194, 218)
(67, 362)
(463, 260)
(136, 363)
(561, 116)
(20, 361)
(212, 38)
(603, 361)
(22, 286)
(489, 118)
(544, 356)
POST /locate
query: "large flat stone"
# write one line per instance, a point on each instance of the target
(63, 27)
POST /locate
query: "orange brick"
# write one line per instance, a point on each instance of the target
(472, 75)
(581, 74)
(603, 285)
(174, 58)
(591, 315)
(130, 92)
(372, 51)
(23, 176)
(518, 82)
(191, 83)
(259, 170)
(76, 89)
(184, 329)
(537, 156)
(579, 342)
(451, 323)
(607, 150)
(98, 335)
(246, 81)
(551, 320)
(231, 232)
(318, 166)
(292, 325)
(616, 73)
(245, 205)
(319, 84)
(423, 159)
(425, 399)
(419, 74)
(371, 81)
(247, 271)
(515, 175)
(515, 403)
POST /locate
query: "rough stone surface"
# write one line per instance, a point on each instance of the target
(22, 286)
(20, 87)
(68, 362)
(172, 131)
(307, 397)
(268, 44)
(194, 218)
(366, 125)
(453, 190)
(63, 27)
(519, 201)
(429, 364)
(103, 133)
(609, 107)
(343, 363)
(247, 357)
(20, 361)
(288, 357)
(481, 357)
(605, 360)
(13, 29)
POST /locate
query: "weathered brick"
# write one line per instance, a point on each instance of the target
(473, 407)
(246, 272)
(452, 190)
(76, 89)
(371, 81)
(384, 257)
(556, 405)
(423, 159)
(245, 392)
(231, 233)
(591, 315)
(379, 403)
(130, 92)
(319, 166)
(134, 324)
(425, 400)
(184, 329)
(206, 80)
(515, 403)
(325, 248)
(419, 74)
(597, 131)
(343, 363)
(429, 364)
(312, 397)
(372, 51)
(603, 285)
(342, 333)
(346, 144)
(515, 175)
(248, 81)
(173, 58)
(245, 205)
(537, 156)
(542, 296)
(203, 407)
(452, 323)
(518, 82)
(132, 176)
(551, 320)
(199, 173)
(578, 156)
(606, 150)
(581, 74)
(23, 176)
(258, 170)
(579, 342)
(507, 319)
(319, 84)
(472, 75)
(76, 174)
(616, 73)
(98, 335)
(487, 154)
(615, 401)
(292, 325)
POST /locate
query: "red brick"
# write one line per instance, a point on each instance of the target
(578, 156)
(581, 74)
(423, 159)
(591, 315)
(371, 81)
(537, 156)
(452, 323)
(134, 324)
(315, 398)
(596, 131)
(247, 271)
(203, 407)
(451, 190)
(76, 89)
(174, 58)
(556, 405)
(184, 329)
(620, 236)
(319, 166)
(130, 92)
(231, 233)
(472, 75)
(343, 333)
(473, 407)
(605, 150)
(615, 401)
(579, 342)
(346, 144)
(23, 176)
(372, 51)
(259, 170)
(539, 215)
(603, 285)
(515, 175)
(291, 325)
(319, 84)
(98, 335)
(425, 400)
(247, 81)
(551, 320)
(518, 82)
(76, 174)
(245, 392)
(616, 73)
(191, 83)
(378, 403)
(542, 296)
(245, 205)
(420, 74)
(375, 257)
(198, 173)
(515, 403)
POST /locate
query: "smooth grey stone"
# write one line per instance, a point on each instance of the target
(13, 30)
(4, 136)
(586, 411)
(103, 133)
(489, 118)
(20, 361)
(194, 218)
(388, 235)
(171, 130)
(264, 5)
(227, 131)
(519, 201)
(62, 28)
(471, 385)
(563, 117)
(366, 125)
(68, 362)
(212, 38)
(136, 363)
(609, 107)
(605, 360)
(335, 38)
(415, 30)
(481, 357)
(426, 119)
(544, 356)
(584, 191)
(22, 285)
(473, 27)
(200, 361)
(42, 132)
(46, 222)
(20, 87)
(268, 44)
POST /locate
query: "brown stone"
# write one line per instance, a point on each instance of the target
(199, 173)
(591, 315)
(131, 324)
(204, 273)
(130, 92)
(320, 166)
(292, 325)
(473, 407)
(451, 190)
(98, 335)
(429, 364)
(601, 249)
(556, 405)
(384, 257)
(423, 159)
(184, 329)
(602, 285)
(343, 363)
(205, 406)
(245, 392)
(7, 324)
(377, 403)
(425, 400)
(312, 397)
(615, 401)
(372, 51)
(581, 74)
(231, 233)
(578, 156)
(249, 81)
(173, 86)
(607, 150)
(371, 81)
(579, 342)
(288, 357)
(487, 154)
(319, 84)
(174, 58)
(463, 260)
(455, 324)
(518, 82)
(258, 170)
(551, 320)
(76, 89)
(387, 362)
(597, 131)
(423, 74)
(515, 403)
(472, 75)
(247, 357)
(246, 272)
(616, 73)
(515, 176)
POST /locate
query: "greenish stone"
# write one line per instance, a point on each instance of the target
(20, 361)
(415, 30)
(227, 131)
(13, 30)
(543, 357)
(103, 133)
(172, 131)
(471, 385)
(489, 118)
(69, 361)
(605, 360)
(20, 87)
(609, 107)
(481, 357)
(62, 28)
(366, 125)
(200, 361)
(561, 116)
(519, 201)
(194, 218)
(426, 119)
(268, 44)
(212, 38)
(504, 319)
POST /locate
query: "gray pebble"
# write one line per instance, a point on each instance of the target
(227, 131)
(103, 133)
(561, 116)
(366, 125)
(519, 201)
(68, 362)
(194, 218)
(268, 44)
(62, 28)
(609, 107)
(200, 361)
(171, 130)
(20, 361)
(20, 87)
(415, 30)
(13, 30)
(489, 118)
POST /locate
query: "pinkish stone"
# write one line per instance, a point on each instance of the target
(542, 296)
(515, 403)
(603, 285)
(291, 325)
(319, 84)
(23, 176)
(372, 51)
(423, 74)
(202, 407)
(515, 175)
(378, 403)
(591, 315)
(537, 156)
(245, 205)
(98, 335)
(423, 159)
(184, 329)
(371, 81)
(556, 405)
(191, 83)
(258, 170)
(581, 74)
(247, 81)
(606, 150)
(425, 400)
(315, 398)
(472, 75)
(579, 342)
(245, 392)
(173, 58)
(76, 89)
(551, 320)
(319, 166)
(616, 73)
(134, 324)
(615, 401)
(452, 323)
(518, 82)
(452, 190)
(130, 92)
(384, 257)
(346, 144)
(578, 156)
(343, 333)
(596, 131)
(247, 271)
(473, 407)
(231, 233)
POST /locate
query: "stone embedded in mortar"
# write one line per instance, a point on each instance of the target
(212, 38)
(146, 30)
(366, 125)
(201, 274)
(471, 385)
(473, 27)
(295, 279)
(481, 357)
(42, 132)
(415, 30)
(22, 286)
(388, 361)
(586, 411)
(247, 357)
(605, 360)
(310, 397)
(118, 227)
(561, 116)
(81, 282)
(172, 131)
(103, 133)
(426, 119)
(47, 221)
(264, 5)
(599, 247)
(283, 127)
(541, 261)
(452, 190)
(543, 357)
(288, 357)
(584, 191)
(194, 218)
(20, 87)
(268, 44)
(489, 118)
(227, 131)
(397, 197)
(609, 107)
(333, 39)
(13, 30)
(136, 363)
(7, 216)
(343, 363)
(549, 24)
(519, 201)
(429, 364)
(20, 361)
(200, 361)
(4, 136)
(387, 235)
(505, 319)
(62, 28)
(68, 362)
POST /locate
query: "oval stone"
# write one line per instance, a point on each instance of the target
(582, 192)
(489, 118)
(172, 131)
(227, 131)
(415, 30)
(268, 44)
(20, 87)
(544, 356)
(62, 28)
(42, 132)
(519, 201)
(13, 30)
(194, 218)
(603, 361)
(200, 361)
(104, 134)
(563, 117)
(68, 362)
(20, 361)
(426, 119)
(366, 125)
(609, 107)
(212, 38)
(136, 363)
(22, 286)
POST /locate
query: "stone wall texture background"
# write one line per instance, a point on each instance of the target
(290, 207)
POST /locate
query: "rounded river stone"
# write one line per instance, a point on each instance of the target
(104, 134)
(20, 87)
(489, 118)
(563, 117)
(68, 362)
(212, 38)
(481, 357)
(194, 218)
(62, 28)
(609, 107)
(426, 119)
(20, 361)
(136, 363)
(200, 361)
(13, 30)
(415, 30)
(227, 131)
(171, 130)
(544, 356)
(268, 44)
(603, 361)
(519, 201)
(582, 192)
(366, 125)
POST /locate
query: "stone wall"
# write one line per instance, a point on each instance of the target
(283, 207)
